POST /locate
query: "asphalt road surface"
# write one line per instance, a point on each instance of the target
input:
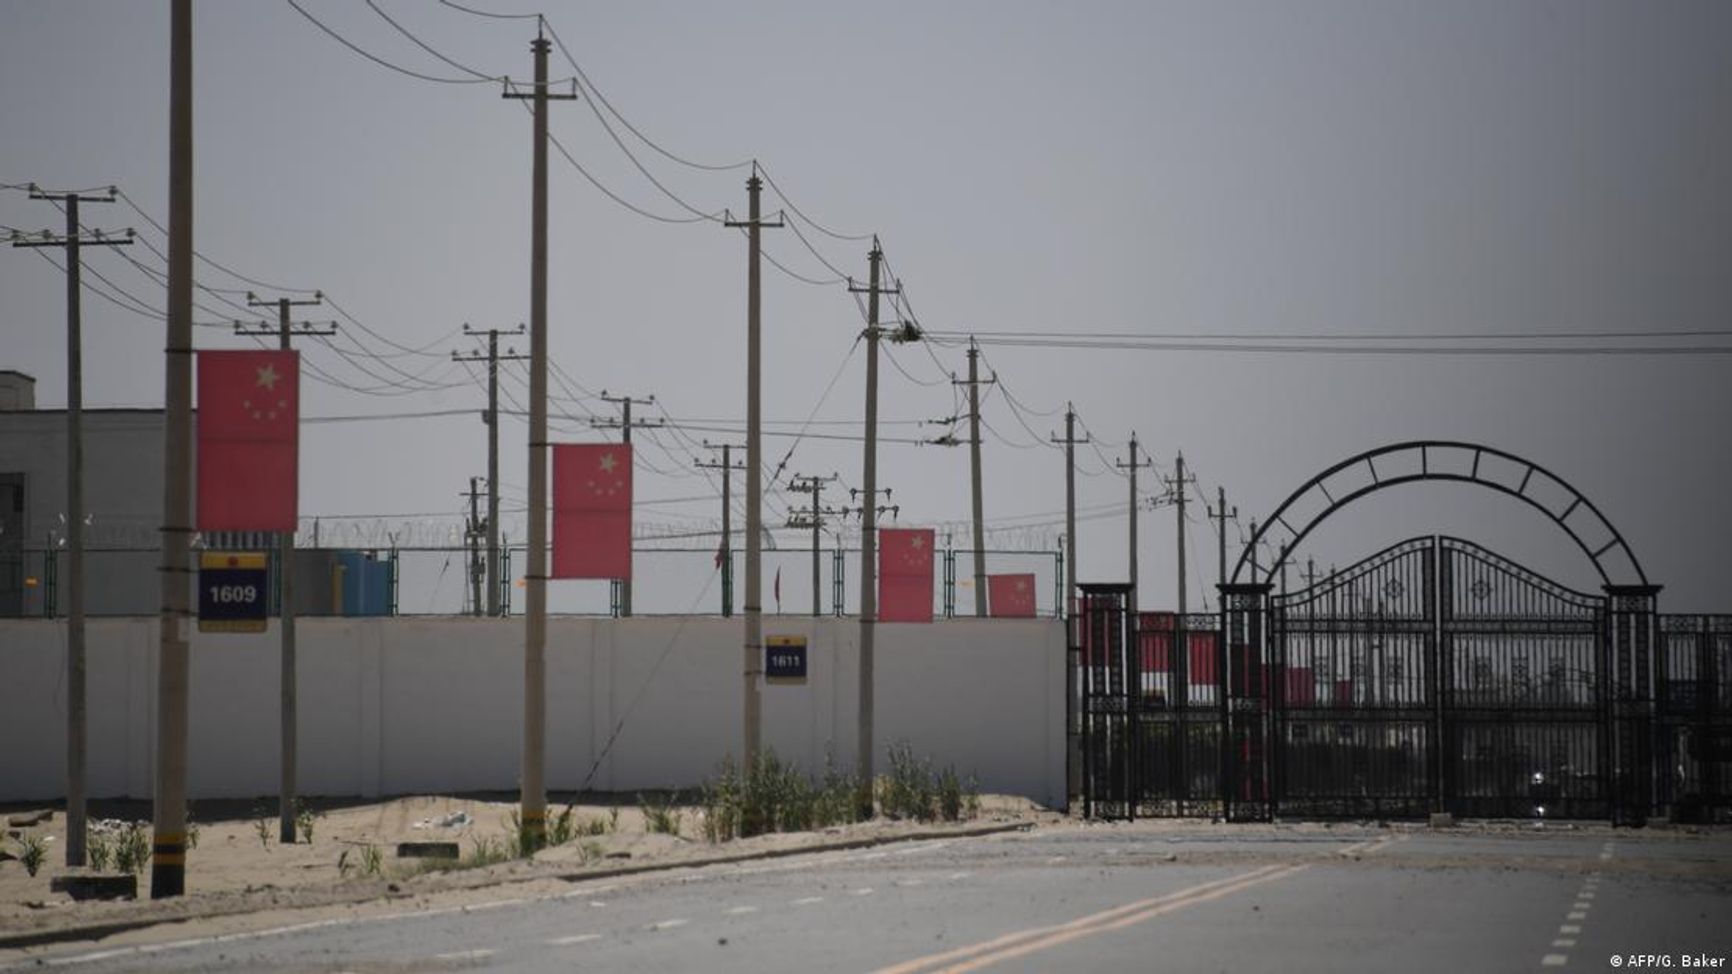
(1141, 897)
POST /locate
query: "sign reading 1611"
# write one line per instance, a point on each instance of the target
(231, 591)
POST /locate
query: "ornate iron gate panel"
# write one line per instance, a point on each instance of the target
(1693, 759)
(1524, 699)
(1177, 715)
(1354, 680)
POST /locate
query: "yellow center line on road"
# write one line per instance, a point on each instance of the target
(1040, 938)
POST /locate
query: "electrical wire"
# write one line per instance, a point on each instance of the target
(379, 60)
(814, 224)
(486, 13)
(596, 92)
(428, 48)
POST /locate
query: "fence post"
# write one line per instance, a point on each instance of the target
(1630, 623)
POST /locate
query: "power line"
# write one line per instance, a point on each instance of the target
(956, 339)
(428, 48)
(379, 60)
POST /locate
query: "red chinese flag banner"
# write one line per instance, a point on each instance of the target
(591, 510)
(1010, 596)
(249, 407)
(905, 574)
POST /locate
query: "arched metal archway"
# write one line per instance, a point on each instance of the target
(1417, 461)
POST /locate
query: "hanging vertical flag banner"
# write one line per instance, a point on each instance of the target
(248, 432)
(1010, 596)
(905, 574)
(591, 510)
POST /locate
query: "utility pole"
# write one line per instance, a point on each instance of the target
(287, 683)
(532, 786)
(1177, 486)
(491, 418)
(813, 485)
(74, 239)
(973, 385)
(1310, 572)
(869, 527)
(1221, 515)
(168, 811)
(752, 650)
(1132, 466)
(625, 427)
(726, 553)
(1070, 441)
(472, 538)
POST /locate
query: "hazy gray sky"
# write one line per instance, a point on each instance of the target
(1269, 168)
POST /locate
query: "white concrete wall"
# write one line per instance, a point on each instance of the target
(390, 706)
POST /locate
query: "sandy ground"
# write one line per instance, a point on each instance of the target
(236, 870)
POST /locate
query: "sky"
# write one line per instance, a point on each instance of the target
(1149, 169)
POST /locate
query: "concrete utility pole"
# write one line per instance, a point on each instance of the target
(1177, 486)
(752, 650)
(73, 240)
(726, 553)
(533, 790)
(625, 425)
(1070, 441)
(813, 485)
(491, 418)
(168, 813)
(869, 527)
(286, 598)
(472, 538)
(973, 385)
(1132, 466)
(1221, 515)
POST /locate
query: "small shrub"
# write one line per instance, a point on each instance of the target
(564, 828)
(490, 851)
(372, 860)
(612, 821)
(98, 848)
(721, 800)
(132, 849)
(306, 819)
(910, 789)
(32, 851)
(343, 866)
(660, 815)
(191, 829)
(262, 827)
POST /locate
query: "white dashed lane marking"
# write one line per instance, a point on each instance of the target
(739, 910)
(807, 901)
(862, 891)
(460, 955)
(581, 938)
(1554, 960)
(667, 924)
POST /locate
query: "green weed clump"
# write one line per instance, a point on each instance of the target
(772, 796)
(132, 849)
(32, 852)
(660, 814)
(914, 790)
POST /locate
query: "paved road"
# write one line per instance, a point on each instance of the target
(1145, 897)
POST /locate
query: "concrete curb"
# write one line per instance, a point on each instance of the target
(108, 928)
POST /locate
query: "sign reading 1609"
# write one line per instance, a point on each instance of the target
(231, 591)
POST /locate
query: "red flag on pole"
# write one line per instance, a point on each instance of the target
(905, 574)
(591, 510)
(1010, 596)
(249, 406)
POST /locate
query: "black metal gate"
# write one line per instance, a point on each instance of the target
(1433, 676)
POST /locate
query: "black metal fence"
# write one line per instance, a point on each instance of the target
(1434, 676)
